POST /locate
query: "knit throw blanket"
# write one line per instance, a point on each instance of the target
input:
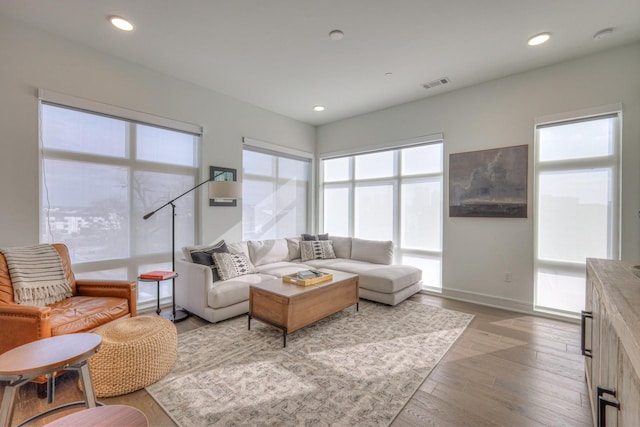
(37, 275)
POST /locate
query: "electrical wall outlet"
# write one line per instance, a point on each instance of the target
(507, 276)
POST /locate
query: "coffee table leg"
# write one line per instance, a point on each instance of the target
(87, 385)
(358, 306)
(284, 338)
(248, 321)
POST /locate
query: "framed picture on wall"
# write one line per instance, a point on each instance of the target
(489, 183)
(217, 173)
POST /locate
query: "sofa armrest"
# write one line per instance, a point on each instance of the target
(192, 286)
(22, 324)
(109, 288)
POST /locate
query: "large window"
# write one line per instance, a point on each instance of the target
(577, 206)
(275, 194)
(99, 176)
(389, 195)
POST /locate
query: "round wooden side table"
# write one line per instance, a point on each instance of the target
(176, 315)
(44, 357)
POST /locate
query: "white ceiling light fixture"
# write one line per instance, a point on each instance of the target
(318, 108)
(121, 23)
(336, 35)
(603, 34)
(538, 39)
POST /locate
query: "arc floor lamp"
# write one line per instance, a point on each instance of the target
(230, 190)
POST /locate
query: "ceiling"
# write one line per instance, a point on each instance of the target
(277, 54)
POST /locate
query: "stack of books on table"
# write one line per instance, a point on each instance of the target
(158, 275)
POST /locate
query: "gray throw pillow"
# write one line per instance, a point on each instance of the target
(310, 237)
(203, 255)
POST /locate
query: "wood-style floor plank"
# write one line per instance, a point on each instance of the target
(509, 369)
(506, 369)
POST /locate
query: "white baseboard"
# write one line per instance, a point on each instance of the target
(497, 302)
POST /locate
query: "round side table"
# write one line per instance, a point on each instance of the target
(175, 315)
(44, 357)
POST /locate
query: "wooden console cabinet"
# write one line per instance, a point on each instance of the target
(611, 342)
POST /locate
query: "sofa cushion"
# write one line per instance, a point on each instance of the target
(310, 237)
(377, 277)
(340, 264)
(232, 265)
(341, 246)
(375, 251)
(388, 279)
(233, 291)
(317, 249)
(83, 313)
(239, 248)
(280, 269)
(201, 254)
(268, 251)
(293, 243)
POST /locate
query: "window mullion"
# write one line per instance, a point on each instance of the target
(131, 150)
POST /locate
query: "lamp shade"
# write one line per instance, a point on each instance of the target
(225, 190)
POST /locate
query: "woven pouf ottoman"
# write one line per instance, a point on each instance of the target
(135, 353)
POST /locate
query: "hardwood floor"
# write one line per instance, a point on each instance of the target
(507, 369)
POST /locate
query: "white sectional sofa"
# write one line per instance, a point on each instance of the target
(380, 281)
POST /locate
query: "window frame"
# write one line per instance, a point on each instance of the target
(257, 146)
(397, 181)
(132, 262)
(611, 162)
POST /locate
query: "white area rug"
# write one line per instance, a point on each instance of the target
(352, 368)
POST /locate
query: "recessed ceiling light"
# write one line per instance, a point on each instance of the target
(539, 39)
(121, 23)
(388, 74)
(318, 108)
(603, 34)
(336, 35)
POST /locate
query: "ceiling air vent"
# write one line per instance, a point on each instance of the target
(439, 82)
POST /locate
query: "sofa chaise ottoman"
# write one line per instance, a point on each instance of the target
(201, 292)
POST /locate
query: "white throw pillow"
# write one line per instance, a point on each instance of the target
(232, 265)
(316, 249)
(263, 252)
(375, 251)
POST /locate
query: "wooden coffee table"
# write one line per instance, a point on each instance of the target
(290, 307)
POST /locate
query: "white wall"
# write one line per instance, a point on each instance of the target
(31, 59)
(478, 251)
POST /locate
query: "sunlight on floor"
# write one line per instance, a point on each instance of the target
(242, 386)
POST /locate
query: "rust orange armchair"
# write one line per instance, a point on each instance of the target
(93, 303)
